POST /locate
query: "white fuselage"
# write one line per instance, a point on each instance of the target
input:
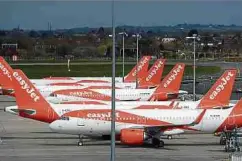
(105, 95)
(93, 126)
(43, 82)
(74, 80)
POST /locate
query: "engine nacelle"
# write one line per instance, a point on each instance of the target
(133, 136)
(173, 132)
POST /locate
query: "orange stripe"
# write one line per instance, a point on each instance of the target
(121, 117)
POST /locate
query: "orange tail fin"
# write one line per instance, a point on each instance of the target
(237, 110)
(172, 82)
(6, 74)
(219, 94)
(153, 77)
(142, 68)
(29, 100)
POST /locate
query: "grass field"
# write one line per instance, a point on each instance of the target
(40, 71)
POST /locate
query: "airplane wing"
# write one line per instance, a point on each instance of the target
(139, 135)
(169, 126)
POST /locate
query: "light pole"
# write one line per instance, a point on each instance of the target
(123, 35)
(194, 37)
(137, 36)
(113, 117)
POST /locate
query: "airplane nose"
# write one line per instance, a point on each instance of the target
(55, 126)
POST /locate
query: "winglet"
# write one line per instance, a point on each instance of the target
(220, 93)
(142, 68)
(153, 76)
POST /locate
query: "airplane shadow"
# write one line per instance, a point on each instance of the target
(43, 132)
(193, 144)
(35, 138)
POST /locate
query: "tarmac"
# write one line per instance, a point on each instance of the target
(28, 140)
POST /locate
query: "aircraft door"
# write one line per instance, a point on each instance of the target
(141, 120)
(80, 120)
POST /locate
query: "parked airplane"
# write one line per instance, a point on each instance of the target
(218, 95)
(138, 127)
(168, 89)
(142, 69)
(151, 79)
(47, 90)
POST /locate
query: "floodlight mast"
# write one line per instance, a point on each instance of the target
(194, 37)
(112, 158)
(137, 36)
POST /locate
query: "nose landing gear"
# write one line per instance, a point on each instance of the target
(80, 142)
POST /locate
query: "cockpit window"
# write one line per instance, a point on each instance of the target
(53, 95)
(64, 118)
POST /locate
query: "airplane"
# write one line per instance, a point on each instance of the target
(144, 126)
(167, 89)
(154, 75)
(149, 80)
(31, 104)
(142, 69)
(218, 95)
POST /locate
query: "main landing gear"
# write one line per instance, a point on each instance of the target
(157, 143)
(169, 137)
(80, 142)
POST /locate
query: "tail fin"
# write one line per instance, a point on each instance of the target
(29, 100)
(237, 110)
(172, 81)
(219, 94)
(233, 120)
(142, 68)
(154, 74)
(6, 74)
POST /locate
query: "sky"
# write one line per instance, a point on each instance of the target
(71, 14)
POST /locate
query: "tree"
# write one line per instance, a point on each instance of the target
(192, 32)
(101, 32)
(33, 34)
(2, 33)
(108, 52)
(145, 45)
(161, 46)
(102, 50)
(64, 49)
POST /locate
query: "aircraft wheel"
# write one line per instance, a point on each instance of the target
(156, 142)
(162, 143)
(169, 137)
(80, 144)
(222, 141)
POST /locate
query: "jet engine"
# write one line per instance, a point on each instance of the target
(133, 136)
